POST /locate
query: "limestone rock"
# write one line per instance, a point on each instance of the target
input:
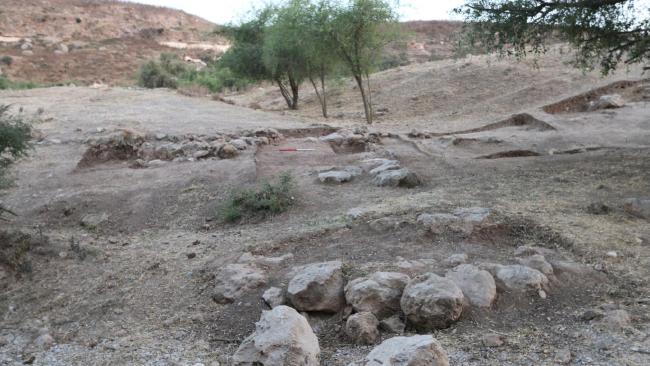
(378, 294)
(473, 215)
(420, 350)
(607, 102)
(397, 178)
(616, 319)
(362, 328)
(521, 278)
(334, 177)
(273, 297)
(236, 279)
(333, 138)
(318, 287)
(457, 259)
(432, 302)
(227, 151)
(537, 262)
(282, 337)
(92, 221)
(477, 285)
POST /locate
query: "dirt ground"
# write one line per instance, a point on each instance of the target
(136, 288)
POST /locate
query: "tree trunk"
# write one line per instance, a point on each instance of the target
(322, 97)
(322, 83)
(284, 92)
(364, 97)
(294, 91)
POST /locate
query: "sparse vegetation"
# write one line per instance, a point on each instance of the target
(169, 71)
(6, 60)
(6, 83)
(269, 199)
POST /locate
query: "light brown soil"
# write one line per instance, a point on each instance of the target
(137, 298)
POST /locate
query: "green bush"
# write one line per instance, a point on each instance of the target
(6, 83)
(14, 140)
(267, 200)
(6, 60)
(152, 75)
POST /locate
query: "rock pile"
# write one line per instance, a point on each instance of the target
(146, 150)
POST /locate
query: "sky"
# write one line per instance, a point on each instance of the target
(225, 11)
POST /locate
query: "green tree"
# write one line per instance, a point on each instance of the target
(360, 30)
(604, 32)
(285, 49)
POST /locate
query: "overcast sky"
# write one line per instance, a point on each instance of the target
(224, 11)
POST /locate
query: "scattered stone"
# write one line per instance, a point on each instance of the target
(44, 341)
(473, 215)
(537, 262)
(392, 325)
(572, 268)
(318, 287)
(334, 177)
(598, 208)
(378, 294)
(477, 285)
(397, 178)
(355, 213)
(612, 101)
(592, 314)
(388, 165)
(282, 337)
(563, 356)
(415, 267)
(355, 171)
(191, 255)
(273, 297)
(611, 254)
(201, 154)
(333, 138)
(420, 350)
(362, 328)
(389, 223)
(93, 221)
(639, 207)
(521, 278)
(369, 164)
(236, 279)
(239, 144)
(269, 262)
(527, 250)
(493, 340)
(432, 302)
(616, 319)
(439, 223)
(457, 259)
(227, 151)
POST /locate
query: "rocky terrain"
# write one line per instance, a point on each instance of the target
(498, 213)
(86, 41)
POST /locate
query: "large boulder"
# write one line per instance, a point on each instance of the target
(378, 294)
(318, 287)
(236, 279)
(432, 302)
(362, 328)
(521, 278)
(397, 178)
(282, 337)
(334, 177)
(611, 101)
(420, 350)
(477, 285)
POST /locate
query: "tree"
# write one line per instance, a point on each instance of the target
(284, 51)
(604, 32)
(360, 29)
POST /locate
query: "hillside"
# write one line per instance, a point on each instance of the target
(86, 41)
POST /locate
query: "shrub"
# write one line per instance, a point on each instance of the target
(14, 141)
(152, 75)
(6, 60)
(267, 200)
(6, 83)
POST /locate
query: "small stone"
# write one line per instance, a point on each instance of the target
(362, 328)
(397, 178)
(273, 297)
(93, 220)
(611, 254)
(493, 340)
(44, 341)
(521, 278)
(236, 279)
(227, 151)
(592, 314)
(201, 154)
(191, 255)
(639, 207)
(607, 102)
(239, 144)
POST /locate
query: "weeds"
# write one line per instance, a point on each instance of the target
(269, 199)
(6, 83)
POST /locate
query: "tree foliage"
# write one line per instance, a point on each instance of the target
(604, 32)
(14, 143)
